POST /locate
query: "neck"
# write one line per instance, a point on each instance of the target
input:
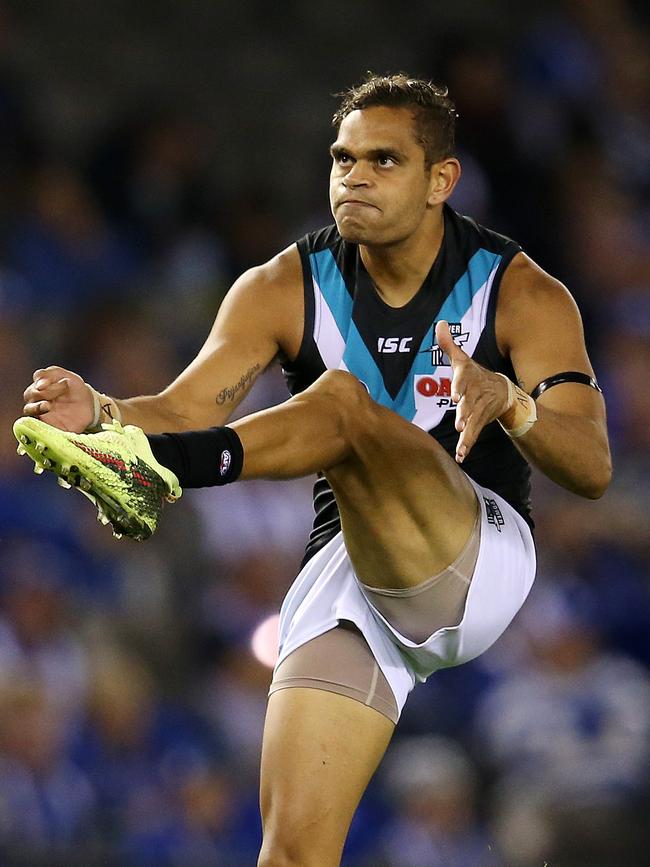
(398, 270)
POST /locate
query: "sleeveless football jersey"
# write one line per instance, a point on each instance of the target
(393, 350)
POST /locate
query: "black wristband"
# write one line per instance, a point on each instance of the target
(200, 458)
(567, 376)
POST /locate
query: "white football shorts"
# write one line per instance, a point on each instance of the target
(327, 591)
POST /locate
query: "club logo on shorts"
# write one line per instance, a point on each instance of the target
(224, 464)
(493, 513)
(460, 337)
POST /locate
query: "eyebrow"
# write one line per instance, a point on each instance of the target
(374, 153)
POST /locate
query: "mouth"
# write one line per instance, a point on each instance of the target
(356, 203)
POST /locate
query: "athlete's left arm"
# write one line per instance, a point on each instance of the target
(539, 328)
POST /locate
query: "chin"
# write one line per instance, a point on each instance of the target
(355, 233)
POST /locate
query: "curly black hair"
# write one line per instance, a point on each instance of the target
(434, 114)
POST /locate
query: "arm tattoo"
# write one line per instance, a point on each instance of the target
(230, 392)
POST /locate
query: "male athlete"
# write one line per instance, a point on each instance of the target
(430, 361)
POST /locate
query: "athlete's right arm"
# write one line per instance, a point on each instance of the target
(260, 318)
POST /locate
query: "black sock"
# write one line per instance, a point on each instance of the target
(200, 458)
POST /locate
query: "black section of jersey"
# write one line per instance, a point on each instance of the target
(393, 335)
(308, 365)
(494, 462)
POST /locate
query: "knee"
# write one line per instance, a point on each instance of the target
(341, 385)
(296, 839)
(349, 399)
(280, 855)
(275, 858)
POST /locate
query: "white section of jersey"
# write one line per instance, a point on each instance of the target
(327, 590)
(329, 340)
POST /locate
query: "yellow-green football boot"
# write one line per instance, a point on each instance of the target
(115, 468)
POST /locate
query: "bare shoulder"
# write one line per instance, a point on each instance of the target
(533, 302)
(281, 274)
(273, 294)
(284, 268)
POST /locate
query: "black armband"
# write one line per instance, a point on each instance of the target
(567, 376)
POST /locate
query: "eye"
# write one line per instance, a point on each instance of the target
(343, 159)
(385, 161)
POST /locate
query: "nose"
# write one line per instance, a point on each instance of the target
(357, 176)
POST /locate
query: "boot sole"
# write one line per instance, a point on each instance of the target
(70, 475)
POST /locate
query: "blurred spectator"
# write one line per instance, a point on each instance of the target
(568, 737)
(432, 786)
(130, 735)
(62, 246)
(203, 821)
(37, 645)
(233, 697)
(47, 805)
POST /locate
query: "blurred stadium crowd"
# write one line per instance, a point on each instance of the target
(131, 692)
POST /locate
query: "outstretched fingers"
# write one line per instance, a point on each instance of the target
(472, 414)
(480, 395)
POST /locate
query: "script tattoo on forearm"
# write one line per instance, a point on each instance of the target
(230, 392)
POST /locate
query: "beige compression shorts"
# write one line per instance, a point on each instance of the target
(341, 661)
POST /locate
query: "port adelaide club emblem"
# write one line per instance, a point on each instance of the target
(460, 338)
(437, 385)
(493, 514)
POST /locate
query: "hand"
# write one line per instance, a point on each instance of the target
(60, 398)
(480, 395)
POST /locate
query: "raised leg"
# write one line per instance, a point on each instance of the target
(406, 507)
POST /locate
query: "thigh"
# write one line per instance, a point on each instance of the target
(407, 508)
(319, 753)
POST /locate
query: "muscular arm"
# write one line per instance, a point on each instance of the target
(539, 328)
(260, 318)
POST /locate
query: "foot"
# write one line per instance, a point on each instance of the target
(114, 468)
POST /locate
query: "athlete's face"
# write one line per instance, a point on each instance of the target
(380, 189)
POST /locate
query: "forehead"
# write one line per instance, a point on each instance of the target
(378, 127)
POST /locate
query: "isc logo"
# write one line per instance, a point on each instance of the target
(393, 344)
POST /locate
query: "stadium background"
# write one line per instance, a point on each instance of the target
(149, 152)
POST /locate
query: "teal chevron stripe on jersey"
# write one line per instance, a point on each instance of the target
(332, 287)
(360, 362)
(356, 357)
(481, 266)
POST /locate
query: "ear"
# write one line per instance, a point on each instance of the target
(444, 176)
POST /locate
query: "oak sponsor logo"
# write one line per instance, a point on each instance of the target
(437, 388)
